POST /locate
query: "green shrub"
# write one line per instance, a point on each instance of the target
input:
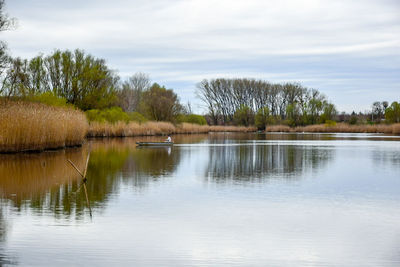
(353, 120)
(112, 115)
(48, 98)
(94, 115)
(196, 119)
(263, 118)
(243, 116)
(392, 113)
(330, 123)
(136, 116)
(192, 118)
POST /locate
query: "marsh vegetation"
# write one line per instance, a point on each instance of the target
(27, 126)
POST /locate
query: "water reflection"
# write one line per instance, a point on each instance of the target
(47, 183)
(5, 259)
(303, 136)
(150, 208)
(386, 158)
(27, 178)
(255, 162)
(116, 161)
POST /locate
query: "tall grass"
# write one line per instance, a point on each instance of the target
(122, 129)
(338, 128)
(27, 126)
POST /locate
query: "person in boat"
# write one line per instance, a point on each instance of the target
(169, 140)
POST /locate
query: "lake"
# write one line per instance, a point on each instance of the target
(222, 199)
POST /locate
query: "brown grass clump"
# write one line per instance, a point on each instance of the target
(189, 128)
(396, 128)
(26, 126)
(244, 129)
(338, 128)
(158, 128)
(122, 129)
(278, 128)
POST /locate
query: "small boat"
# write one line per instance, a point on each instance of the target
(154, 143)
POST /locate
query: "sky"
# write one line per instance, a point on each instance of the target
(348, 50)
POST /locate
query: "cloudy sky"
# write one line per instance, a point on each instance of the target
(349, 50)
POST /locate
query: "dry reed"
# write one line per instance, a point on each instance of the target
(26, 126)
(121, 129)
(338, 128)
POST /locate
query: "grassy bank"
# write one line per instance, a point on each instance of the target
(122, 129)
(338, 128)
(27, 126)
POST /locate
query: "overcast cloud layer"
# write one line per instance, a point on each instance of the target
(349, 50)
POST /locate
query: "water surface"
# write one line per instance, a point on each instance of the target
(211, 200)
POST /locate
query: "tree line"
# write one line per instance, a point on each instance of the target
(87, 83)
(380, 112)
(246, 101)
(81, 79)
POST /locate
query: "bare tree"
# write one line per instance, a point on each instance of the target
(132, 89)
(6, 23)
(378, 110)
(207, 95)
(385, 104)
(15, 81)
(225, 97)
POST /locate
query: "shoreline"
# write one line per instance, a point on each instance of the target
(30, 127)
(283, 129)
(393, 129)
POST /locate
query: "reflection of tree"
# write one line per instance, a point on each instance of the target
(248, 162)
(155, 161)
(112, 164)
(386, 157)
(47, 183)
(108, 167)
(4, 258)
(2, 226)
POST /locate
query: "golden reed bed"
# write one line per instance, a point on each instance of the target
(122, 129)
(338, 128)
(27, 126)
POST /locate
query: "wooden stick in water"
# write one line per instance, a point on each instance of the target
(87, 164)
(73, 165)
(79, 188)
(87, 199)
(84, 180)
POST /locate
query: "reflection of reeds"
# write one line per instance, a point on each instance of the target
(33, 126)
(339, 128)
(396, 128)
(24, 176)
(156, 128)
